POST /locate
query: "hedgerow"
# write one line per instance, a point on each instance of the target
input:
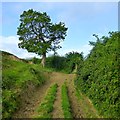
(98, 77)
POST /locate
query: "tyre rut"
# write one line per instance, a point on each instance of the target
(76, 109)
(29, 109)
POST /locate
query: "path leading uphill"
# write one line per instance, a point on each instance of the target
(28, 110)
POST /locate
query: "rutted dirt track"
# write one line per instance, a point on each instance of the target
(29, 109)
(76, 109)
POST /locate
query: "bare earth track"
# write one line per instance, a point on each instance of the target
(28, 110)
(76, 109)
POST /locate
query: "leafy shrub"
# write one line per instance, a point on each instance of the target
(98, 78)
(56, 62)
(65, 64)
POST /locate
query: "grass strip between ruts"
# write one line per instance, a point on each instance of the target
(65, 102)
(46, 107)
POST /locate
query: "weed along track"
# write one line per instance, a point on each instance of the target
(76, 109)
(46, 107)
(57, 111)
(65, 102)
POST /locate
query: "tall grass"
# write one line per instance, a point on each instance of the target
(16, 74)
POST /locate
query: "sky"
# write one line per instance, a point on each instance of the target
(83, 19)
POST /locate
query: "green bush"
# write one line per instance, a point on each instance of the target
(36, 60)
(65, 64)
(56, 62)
(98, 78)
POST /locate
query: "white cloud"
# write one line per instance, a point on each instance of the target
(10, 44)
(9, 40)
(85, 49)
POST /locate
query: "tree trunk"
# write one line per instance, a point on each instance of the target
(43, 60)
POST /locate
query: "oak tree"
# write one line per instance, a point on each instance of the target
(38, 34)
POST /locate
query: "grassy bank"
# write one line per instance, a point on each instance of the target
(17, 76)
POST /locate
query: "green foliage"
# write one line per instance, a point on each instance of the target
(36, 60)
(98, 76)
(68, 63)
(65, 64)
(46, 107)
(86, 105)
(38, 34)
(16, 74)
(56, 62)
(73, 59)
(9, 103)
(65, 102)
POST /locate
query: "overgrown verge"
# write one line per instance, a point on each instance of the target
(46, 107)
(18, 79)
(88, 110)
(98, 77)
(65, 102)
